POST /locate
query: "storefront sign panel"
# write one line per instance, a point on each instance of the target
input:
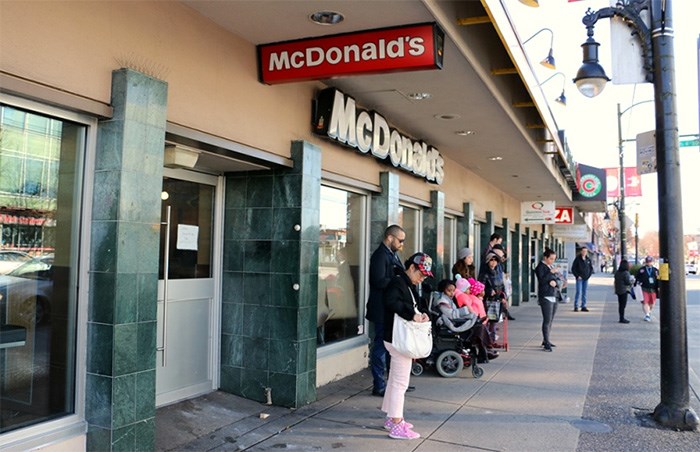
(537, 212)
(337, 117)
(407, 48)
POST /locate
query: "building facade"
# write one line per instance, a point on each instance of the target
(180, 226)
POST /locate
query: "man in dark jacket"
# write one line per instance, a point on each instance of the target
(582, 269)
(383, 265)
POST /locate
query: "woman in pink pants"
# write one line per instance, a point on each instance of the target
(400, 299)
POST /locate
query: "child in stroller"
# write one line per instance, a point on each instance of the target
(453, 344)
(456, 293)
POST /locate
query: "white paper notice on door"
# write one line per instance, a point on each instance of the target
(187, 236)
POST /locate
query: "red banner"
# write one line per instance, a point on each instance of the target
(406, 48)
(564, 215)
(633, 182)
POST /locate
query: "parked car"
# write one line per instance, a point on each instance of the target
(691, 268)
(26, 292)
(11, 259)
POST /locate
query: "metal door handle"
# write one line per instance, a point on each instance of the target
(166, 269)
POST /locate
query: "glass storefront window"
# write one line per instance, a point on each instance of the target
(40, 193)
(340, 265)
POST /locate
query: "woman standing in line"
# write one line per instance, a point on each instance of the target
(547, 281)
(401, 298)
(464, 266)
(623, 284)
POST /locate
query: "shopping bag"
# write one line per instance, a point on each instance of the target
(637, 290)
(412, 339)
(493, 310)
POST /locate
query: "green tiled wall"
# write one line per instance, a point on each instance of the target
(270, 279)
(434, 233)
(385, 207)
(120, 380)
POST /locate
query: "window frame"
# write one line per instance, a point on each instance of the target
(71, 425)
(363, 284)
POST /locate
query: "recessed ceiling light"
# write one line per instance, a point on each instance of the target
(447, 117)
(465, 133)
(326, 17)
(496, 158)
(419, 96)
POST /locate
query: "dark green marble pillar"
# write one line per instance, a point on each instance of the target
(121, 351)
(487, 229)
(434, 232)
(270, 281)
(385, 207)
(506, 233)
(465, 235)
(516, 265)
(528, 264)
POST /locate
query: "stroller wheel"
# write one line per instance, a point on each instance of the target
(416, 368)
(477, 371)
(449, 363)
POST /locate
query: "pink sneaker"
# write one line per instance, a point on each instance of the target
(402, 431)
(388, 423)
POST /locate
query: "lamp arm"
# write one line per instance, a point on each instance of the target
(629, 11)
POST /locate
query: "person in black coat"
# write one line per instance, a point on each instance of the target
(648, 278)
(549, 283)
(582, 269)
(401, 299)
(383, 265)
(623, 284)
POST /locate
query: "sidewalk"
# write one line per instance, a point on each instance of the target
(594, 392)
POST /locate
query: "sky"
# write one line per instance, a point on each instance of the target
(591, 123)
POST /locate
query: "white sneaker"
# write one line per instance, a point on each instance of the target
(647, 318)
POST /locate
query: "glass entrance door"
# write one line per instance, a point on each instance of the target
(187, 296)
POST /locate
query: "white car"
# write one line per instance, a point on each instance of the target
(691, 268)
(10, 259)
(26, 292)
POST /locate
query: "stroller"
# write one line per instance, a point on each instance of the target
(452, 349)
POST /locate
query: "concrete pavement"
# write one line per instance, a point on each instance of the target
(594, 392)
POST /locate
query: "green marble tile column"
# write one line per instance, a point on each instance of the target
(516, 259)
(505, 232)
(434, 232)
(270, 281)
(385, 207)
(527, 264)
(465, 231)
(121, 352)
(487, 229)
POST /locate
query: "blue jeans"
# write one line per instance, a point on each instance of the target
(581, 289)
(378, 358)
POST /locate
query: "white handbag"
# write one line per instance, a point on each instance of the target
(412, 339)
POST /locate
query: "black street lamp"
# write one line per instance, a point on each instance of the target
(657, 49)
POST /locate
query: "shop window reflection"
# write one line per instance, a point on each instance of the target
(340, 309)
(38, 188)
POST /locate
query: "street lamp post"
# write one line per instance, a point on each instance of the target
(657, 47)
(622, 179)
(636, 238)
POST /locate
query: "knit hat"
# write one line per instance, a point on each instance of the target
(464, 252)
(462, 284)
(476, 286)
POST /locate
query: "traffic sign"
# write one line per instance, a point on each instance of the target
(690, 143)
